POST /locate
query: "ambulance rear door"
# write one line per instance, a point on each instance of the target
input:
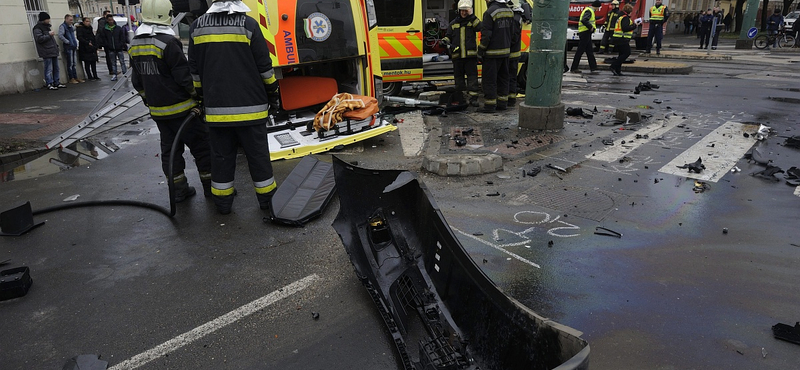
(400, 40)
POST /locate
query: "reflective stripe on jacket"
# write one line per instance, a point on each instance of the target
(657, 13)
(497, 31)
(624, 27)
(462, 33)
(587, 19)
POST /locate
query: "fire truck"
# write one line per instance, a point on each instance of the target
(600, 16)
(641, 9)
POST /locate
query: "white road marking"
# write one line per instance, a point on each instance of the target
(797, 191)
(213, 325)
(518, 257)
(654, 130)
(412, 133)
(729, 146)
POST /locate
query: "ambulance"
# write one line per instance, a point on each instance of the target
(318, 49)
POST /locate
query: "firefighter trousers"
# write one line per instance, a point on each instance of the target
(225, 143)
(468, 67)
(513, 68)
(623, 46)
(584, 46)
(495, 80)
(194, 135)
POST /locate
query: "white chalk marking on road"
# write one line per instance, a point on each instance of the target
(518, 257)
(618, 150)
(797, 191)
(213, 325)
(412, 133)
(729, 146)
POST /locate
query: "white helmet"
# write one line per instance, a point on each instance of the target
(501, 1)
(157, 12)
(465, 5)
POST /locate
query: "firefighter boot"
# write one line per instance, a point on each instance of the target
(512, 100)
(502, 104)
(182, 189)
(224, 203)
(265, 200)
(205, 179)
(488, 108)
(473, 100)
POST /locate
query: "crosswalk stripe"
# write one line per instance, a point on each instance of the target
(729, 145)
(619, 150)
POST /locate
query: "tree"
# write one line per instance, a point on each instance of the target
(764, 15)
(739, 14)
(786, 5)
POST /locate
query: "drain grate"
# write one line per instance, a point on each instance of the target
(473, 136)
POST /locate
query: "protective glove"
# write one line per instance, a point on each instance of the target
(198, 109)
(274, 101)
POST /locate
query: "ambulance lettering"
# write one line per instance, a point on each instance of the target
(287, 41)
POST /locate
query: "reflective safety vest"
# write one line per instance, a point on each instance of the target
(582, 27)
(657, 13)
(618, 28)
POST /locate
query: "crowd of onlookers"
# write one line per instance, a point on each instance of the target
(81, 42)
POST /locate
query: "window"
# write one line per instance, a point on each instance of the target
(394, 12)
(32, 9)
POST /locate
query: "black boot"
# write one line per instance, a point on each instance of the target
(488, 108)
(512, 102)
(182, 189)
(502, 104)
(265, 200)
(205, 179)
(224, 203)
(473, 101)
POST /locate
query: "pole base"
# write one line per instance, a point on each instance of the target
(744, 44)
(541, 118)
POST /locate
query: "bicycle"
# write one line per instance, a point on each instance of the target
(764, 41)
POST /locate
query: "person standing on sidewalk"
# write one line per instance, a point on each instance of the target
(611, 22)
(516, 53)
(704, 30)
(47, 48)
(774, 23)
(87, 49)
(586, 27)
(114, 41)
(659, 14)
(232, 72)
(161, 76)
(101, 25)
(717, 13)
(494, 50)
(688, 21)
(623, 32)
(66, 32)
(462, 39)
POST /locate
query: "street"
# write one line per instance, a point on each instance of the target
(696, 279)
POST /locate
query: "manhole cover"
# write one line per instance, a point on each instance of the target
(588, 203)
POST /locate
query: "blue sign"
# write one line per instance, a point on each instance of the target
(752, 32)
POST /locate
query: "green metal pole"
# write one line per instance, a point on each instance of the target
(542, 109)
(748, 21)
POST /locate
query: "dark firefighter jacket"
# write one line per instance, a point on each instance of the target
(161, 75)
(462, 34)
(516, 35)
(231, 69)
(496, 37)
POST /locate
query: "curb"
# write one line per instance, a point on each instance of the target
(462, 165)
(699, 55)
(16, 158)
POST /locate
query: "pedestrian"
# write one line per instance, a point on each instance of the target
(161, 76)
(611, 22)
(728, 21)
(494, 49)
(462, 40)
(232, 72)
(47, 48)
(774, 23)
(516, 52)
(87, 49)
(717, 13)
(659, 14)
(623, 32)
(66, 32)
(586, 27)
(101, 25)
(705, 29)
(131, 25)
(696, 23)
(114, 41)
(687, 24)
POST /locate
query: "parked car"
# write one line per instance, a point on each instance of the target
(789, 19)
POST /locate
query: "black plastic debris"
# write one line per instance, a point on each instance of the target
(15, 283)
(786, 332)
(315, 315)
(532, 172)
(768, 173)
(792, 176)
(304, 194)
(792, 142)
(578, 112)
(17, 221)
(460, 140)
(85, 362)
(608, 142)
(599, 230)
(756, 156)
(440, 309)
(695, 167)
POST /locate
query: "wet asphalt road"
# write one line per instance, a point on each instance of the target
(673, 292)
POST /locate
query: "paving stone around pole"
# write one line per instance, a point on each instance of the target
(462, 165)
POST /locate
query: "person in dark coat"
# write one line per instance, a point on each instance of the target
(114, 41)
(87, 49)
(101, 24)
(705, 29)
(47, 48)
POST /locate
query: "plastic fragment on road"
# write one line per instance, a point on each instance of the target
(304, 194)
(15, 283)
(17, 221)
(695, 167)
(786, 332)
(792, 141)
(72, 198)
(768, 173)
(86, 362)
(599, 230)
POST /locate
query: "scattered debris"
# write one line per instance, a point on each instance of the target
(644, 86)
(315, 315)
(86, 362)
(17, 221)
(495, 194)
(700, 186)
(478, 233)
(460, 140)
(792, 142)
(533, 172)
(756, 156)
(786, 332)
(578, 112)
(768, 173)
(72, 198)
(657, 101)
(763, 352)
(696, 167)
(557, 168)
(550, 244)
(599, 230)
(724, 230)
(640, 136)
(763, 132)
(15, 282)
(608, 142)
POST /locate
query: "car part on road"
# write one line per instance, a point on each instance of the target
(17, 221)
(429, 291)
(756, 156)
(557, 168)
(15, 283)
(768, 173)
(700, 186)
(599, 230)
(786, 332)
(304, 194)
(696, 167)
(792, 142)
(86, 362)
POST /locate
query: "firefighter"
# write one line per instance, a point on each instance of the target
(611, 22)
(623, 32)
(658, 16)
(161, 76)
(516, 52)
(586, 27)
(232, 72)
(494, 50)
(461, 39)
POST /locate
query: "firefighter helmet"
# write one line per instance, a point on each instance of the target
(615, 2)
(465, 5)
(157, 12)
